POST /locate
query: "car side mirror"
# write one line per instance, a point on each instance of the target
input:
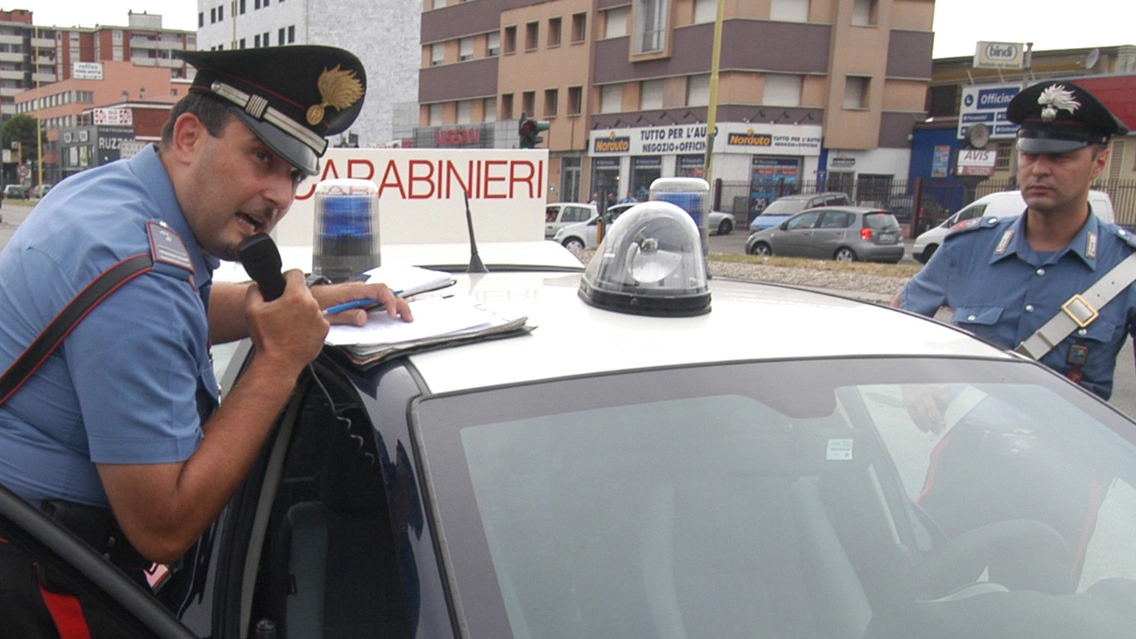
(784, 225)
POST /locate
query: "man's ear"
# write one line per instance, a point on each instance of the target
(189, 135)
(1100, 161)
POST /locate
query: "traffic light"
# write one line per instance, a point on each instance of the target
(529, 129)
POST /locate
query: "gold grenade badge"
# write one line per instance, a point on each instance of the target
(339, 89)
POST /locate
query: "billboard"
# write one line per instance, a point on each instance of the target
(986, 104)
(422, 194)
(999, 55)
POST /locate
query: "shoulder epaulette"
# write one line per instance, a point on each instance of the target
(1128, 236)
(167, 247)
(973, 223)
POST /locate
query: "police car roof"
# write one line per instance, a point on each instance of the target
(748, 321)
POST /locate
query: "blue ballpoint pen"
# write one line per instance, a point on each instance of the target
(367, 303)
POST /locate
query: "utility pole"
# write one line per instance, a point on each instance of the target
(712, 111)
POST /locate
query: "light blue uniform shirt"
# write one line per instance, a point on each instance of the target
(1000, 289)
(133, 382)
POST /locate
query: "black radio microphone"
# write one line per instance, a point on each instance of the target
(262, 262)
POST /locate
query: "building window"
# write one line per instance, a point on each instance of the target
(551, 98)
(280, 36)
(220, 16)
(1002, 153)
(438, 4)
(575, 100)
(650, 25)
(782, 89)
(554, 29)
(465, 49)
(493, 44)
(789, 10)
(200, 19)
(490, 109)
(651, 94)
(242, 43)
(856, 92)
(291, 34)
(437, 53)
(511, 39)
(698, 90)
(256, 4)
(532, 36)
(213, 15)
(579, 27)
(611, 98)
(265, 3)
(707, 10)
(865, 13)
(465, 111)
(528, 103)
(265, 38)
(506, 106)
(615, 23)
(242, 7)
(435, 115)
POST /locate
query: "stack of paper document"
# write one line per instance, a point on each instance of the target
(437, 321)
(409, 280)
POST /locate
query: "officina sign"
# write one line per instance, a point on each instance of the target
(986, 104)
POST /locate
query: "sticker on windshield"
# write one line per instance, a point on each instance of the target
(839, 450)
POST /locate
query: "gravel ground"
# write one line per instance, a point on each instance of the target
(875, 288)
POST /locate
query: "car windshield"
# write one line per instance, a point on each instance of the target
(788, 499)
(784, 207)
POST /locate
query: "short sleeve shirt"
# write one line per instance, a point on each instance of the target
(133, 382)
(1000, 289)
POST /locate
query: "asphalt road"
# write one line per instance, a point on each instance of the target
(1124, 397)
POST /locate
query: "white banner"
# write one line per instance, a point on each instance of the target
(685, 139)
(421, 194)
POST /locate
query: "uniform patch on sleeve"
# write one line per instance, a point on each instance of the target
(167, 247)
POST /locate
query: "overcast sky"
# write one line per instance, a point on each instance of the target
(1049, 24)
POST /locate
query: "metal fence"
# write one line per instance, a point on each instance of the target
(933, 199)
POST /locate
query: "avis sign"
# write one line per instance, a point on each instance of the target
(976, 162)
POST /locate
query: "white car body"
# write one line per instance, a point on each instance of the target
(1002, 204)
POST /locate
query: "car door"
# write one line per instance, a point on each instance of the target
(831, 232)
(795, 239)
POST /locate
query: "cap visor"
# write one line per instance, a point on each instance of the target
(292, 150)
(1049, 146)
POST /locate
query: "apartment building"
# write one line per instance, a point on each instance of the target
(27, 57)
(809, 91)
(142, 42)
(67, 106)
(382, 33)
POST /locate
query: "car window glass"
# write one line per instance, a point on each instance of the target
(971, 212)
(329, 534)
(785, 207)
(756, 485)
(880, 221)
(551, 213)
(803, 221)
(837, 220)
(578, 214)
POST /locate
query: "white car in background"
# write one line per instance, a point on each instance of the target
(584, 234)
(1002, 204)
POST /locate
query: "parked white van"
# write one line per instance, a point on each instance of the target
(1003, 204)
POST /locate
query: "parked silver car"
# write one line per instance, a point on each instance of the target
(841, 233)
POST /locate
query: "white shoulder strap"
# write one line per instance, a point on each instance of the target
(1080, 310)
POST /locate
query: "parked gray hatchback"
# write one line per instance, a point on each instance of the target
(842, 233)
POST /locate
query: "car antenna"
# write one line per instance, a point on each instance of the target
(475, 264)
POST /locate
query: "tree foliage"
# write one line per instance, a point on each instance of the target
(22, 128)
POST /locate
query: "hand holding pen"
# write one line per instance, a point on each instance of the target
(348, 303)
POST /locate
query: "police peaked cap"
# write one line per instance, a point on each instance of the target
(292, 97)
(1059, 117)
